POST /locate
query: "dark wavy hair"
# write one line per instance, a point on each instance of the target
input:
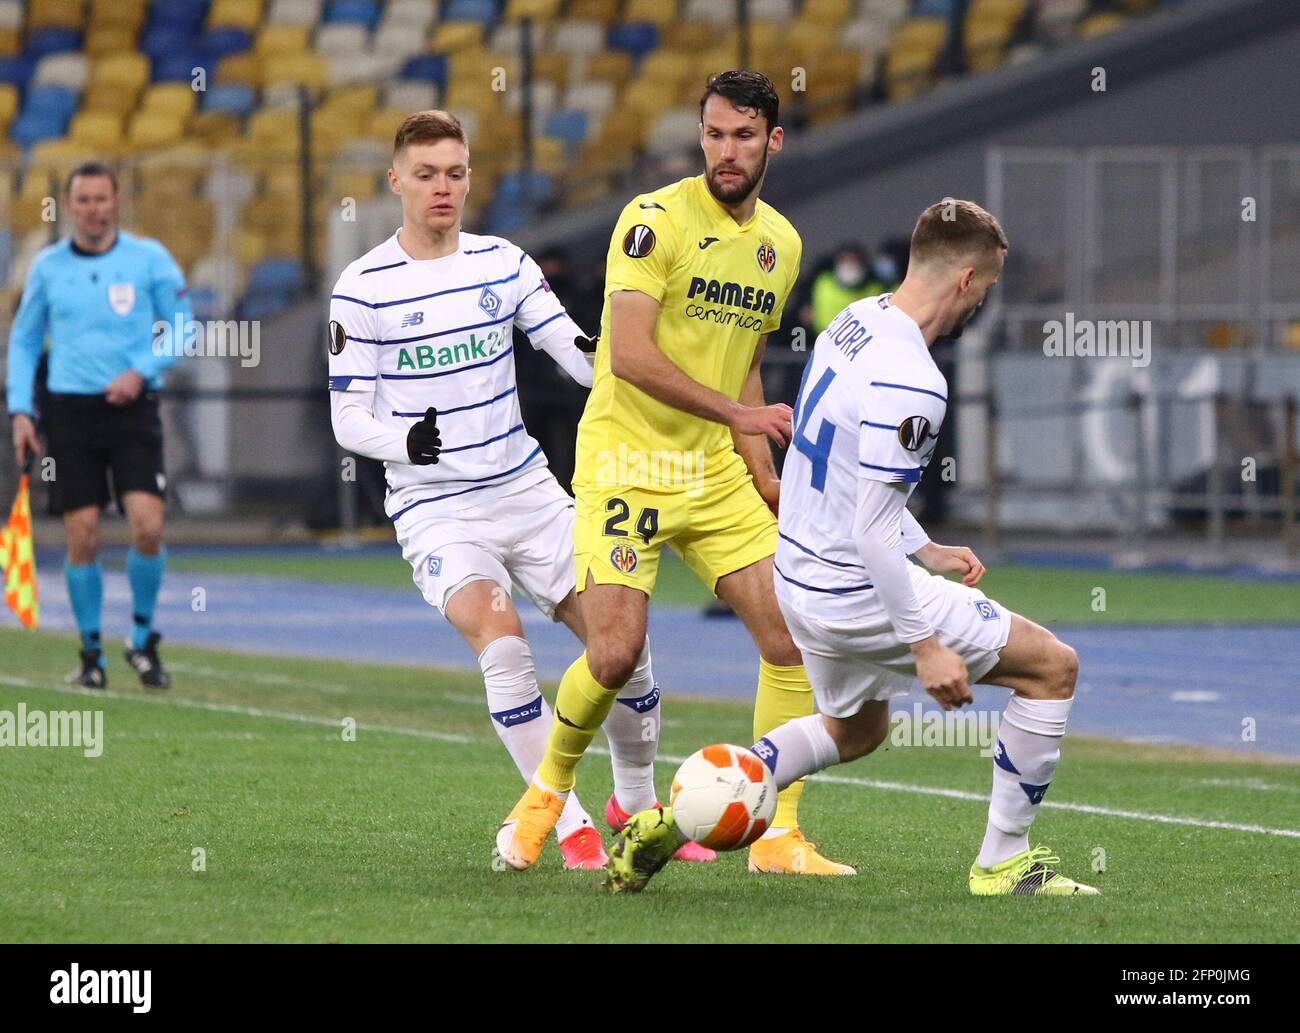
(745, 89)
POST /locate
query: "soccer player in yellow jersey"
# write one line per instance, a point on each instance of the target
(673, 449)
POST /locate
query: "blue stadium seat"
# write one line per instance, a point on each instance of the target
(217, 43)
(364, 12)
(484, 11)
(427, 68)
(32, 128)
(637, 38)
(162, 41)
(52, 41)
(184, 15)
(16, 70)
(272, 275)
(53, 101)
(534, 187)
(180, 67)
(569, 126)
(235, 98)
(932, 9)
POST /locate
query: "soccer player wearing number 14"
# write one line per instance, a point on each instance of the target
(866, 620)
(422, 376)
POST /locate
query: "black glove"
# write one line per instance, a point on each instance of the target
(586, 344)
(423, 442)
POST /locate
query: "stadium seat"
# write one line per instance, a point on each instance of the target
(154, 128)
(53, 101)
(482, 11)
(16, 70)
(410, 96)
(214, 128)
(240, 68)
(109, 39)
(398, 39)
(310, 70)
(456, 35)
(11, 14)
(233, 98)
(235, 14)
(277, 41)
(61, 70)
(97, 130)
(1058, 19)
(611, 66)
(11, 42)
(185, 16)
(578, 38)
(1100, 24)
(341, 38)
(771, 10)
(364, 12)
(538, 10)
(416, 15)
(221, 42)
(63, 14)
(636, 39)
(169, 99)
(118, 14)
(52, 41)
(127, 71)
(427, 68)
(180, 67)
(294, 12)
(595, 98)
(674, 130)
(8, 103)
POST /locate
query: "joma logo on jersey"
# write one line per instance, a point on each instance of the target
(412, 319)
(426, 356)
(755, 299)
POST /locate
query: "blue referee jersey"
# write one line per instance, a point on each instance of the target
(99, 312)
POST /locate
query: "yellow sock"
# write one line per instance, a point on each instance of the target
(581, 706)
(783, 694)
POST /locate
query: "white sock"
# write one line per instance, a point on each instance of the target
(632, 729)
(1029, 747)
(796, 749)
(521, 717)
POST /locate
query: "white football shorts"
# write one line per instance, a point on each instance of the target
(852, 662)
(525, 538)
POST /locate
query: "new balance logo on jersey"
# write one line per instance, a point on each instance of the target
(707, 241)
(412, 319)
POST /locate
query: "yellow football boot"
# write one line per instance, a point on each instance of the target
(1026, 874)
(791, 854)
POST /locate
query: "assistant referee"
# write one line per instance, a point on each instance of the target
(96, 295)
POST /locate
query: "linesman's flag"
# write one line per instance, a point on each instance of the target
(17, 559)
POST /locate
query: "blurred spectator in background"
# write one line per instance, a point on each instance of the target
(843, 281)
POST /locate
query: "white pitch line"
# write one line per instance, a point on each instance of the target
(865, 783)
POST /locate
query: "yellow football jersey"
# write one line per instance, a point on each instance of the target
(720, 286)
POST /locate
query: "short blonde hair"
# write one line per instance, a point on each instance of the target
(428, 127)
(951, 230)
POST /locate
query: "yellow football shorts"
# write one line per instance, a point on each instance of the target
(618, 531)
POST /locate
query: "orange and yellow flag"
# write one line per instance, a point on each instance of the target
(18, 560)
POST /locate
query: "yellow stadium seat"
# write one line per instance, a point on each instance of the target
(1100, 24)
(281, 40)
(611, 66)
(104, 41)
(128, 71)
(539, 10)
(173, 98)
(124, 14)
(101, 130)
(657, 12)
(358, 185)
(111, 97)
(828, 12)
(456, 35)
(666, 67)
(603, 11)
(270, 125)
(10, 42)
(235, 14)
(62, 14)
(154, 129)
(921, 33)
(689, 36)
(552, 66)
(214, 128)
(243, 69)
(809, 40)
(362, 98)
(8, 103)
(249, 247)
(382, 124)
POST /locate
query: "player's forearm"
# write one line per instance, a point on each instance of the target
(357, 430)
(560, 347)
(754, 448)
(20, 379)
(644, 366)
(877, 534)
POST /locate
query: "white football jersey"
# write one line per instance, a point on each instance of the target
(439, 333)
(869, 408)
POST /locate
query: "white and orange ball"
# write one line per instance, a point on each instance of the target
(723, 797)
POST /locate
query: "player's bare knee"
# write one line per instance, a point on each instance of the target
(613, 661)
(778, 648)
(1065, 671)
(148, 541)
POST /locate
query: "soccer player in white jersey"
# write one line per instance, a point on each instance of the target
(865, 619)
(422, 376)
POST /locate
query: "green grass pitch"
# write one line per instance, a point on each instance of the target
(308, 837)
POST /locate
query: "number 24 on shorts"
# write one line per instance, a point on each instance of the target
(647, 522)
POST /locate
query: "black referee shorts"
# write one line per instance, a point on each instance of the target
(88, 439)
